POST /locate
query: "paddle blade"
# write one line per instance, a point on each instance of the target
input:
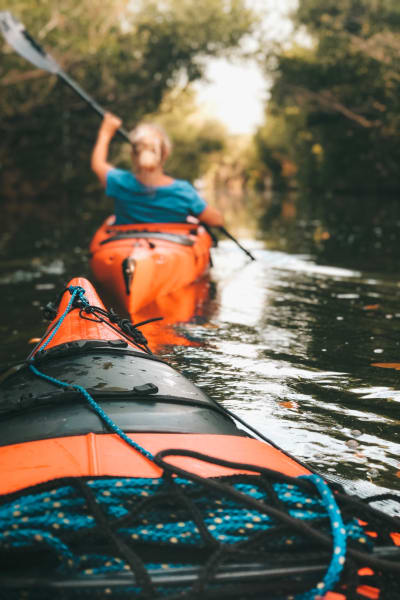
(17, 36)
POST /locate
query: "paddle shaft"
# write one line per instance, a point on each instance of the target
(92, 103)
(231, 237)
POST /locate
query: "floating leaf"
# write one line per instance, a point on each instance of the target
(387, 365)
(289, 404)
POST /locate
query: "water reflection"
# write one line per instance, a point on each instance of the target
(291, 353)
(189, 305)
(295, 348)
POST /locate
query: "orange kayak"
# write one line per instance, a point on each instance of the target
(120, 477)
(140, 263)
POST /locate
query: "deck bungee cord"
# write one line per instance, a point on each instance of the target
(129, 330)
(100, 535)
(120, 325)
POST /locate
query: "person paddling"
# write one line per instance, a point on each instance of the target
(146, 194)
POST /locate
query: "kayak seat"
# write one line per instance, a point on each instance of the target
(176, 238)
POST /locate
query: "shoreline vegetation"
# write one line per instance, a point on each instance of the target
(320, 174)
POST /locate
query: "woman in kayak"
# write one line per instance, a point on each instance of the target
(147, 195)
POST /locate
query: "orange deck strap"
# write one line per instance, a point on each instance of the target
(334, 596)
(30, 463)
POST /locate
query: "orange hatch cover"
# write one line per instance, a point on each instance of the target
(30, 463)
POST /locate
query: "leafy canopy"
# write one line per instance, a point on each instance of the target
(128, 56)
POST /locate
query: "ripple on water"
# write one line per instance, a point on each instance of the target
(270, 347)
(280, 358)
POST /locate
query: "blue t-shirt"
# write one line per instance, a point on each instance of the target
(137, 203)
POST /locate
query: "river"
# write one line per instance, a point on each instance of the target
(304, 352)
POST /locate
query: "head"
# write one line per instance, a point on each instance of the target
(150, 146)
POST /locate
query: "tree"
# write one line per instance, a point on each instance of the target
(128, 56)
(334, 114)
(346, 90)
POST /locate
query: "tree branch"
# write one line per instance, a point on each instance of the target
(15, 77)
(327, 100)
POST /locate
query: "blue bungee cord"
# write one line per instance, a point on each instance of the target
(79, 292)
(337, 526)
(339, 540)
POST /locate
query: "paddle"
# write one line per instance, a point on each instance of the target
(17, 36)
(23, 43)
(225, 232)
(230, 236)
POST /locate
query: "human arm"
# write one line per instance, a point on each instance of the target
(211, 216)
(99, 162)
(203, 211)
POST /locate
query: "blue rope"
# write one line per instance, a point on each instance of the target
(61, 510)
(77, 291)
(226, 531)
(339, 541)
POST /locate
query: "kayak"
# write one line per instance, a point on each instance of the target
(120, 477)
(140, 263)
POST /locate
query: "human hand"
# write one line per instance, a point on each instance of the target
(110, 123)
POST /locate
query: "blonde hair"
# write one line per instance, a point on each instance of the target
(151, 145)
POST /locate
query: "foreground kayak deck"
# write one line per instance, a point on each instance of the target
(139, 263)
(119, 476)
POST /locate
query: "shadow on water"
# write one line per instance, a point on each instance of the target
(285, 342)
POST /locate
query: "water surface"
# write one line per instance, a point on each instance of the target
(287, 344)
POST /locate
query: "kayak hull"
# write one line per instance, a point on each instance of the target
(139, 263)
(27, 464)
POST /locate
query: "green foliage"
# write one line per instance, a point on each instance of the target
(345, 89)
(195, 138)
(126, 55)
